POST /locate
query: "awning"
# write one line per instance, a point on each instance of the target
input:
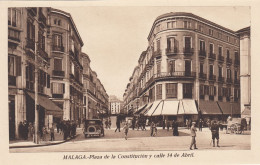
(153, 108)
(170, 107)
(209, 108)
(146, 109)
(189, 107)
(140, 109)
(158, 110)
(50, 107)
(246, 112)
(226, 108)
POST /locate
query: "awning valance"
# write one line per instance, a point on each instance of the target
(153, 108)
(50, 107)
(158, 110)
(189, 107)
(209, 108)
(227, 109)
(170, 107)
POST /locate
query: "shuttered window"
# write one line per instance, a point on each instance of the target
(58, 88)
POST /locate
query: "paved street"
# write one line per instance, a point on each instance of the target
(141, 140)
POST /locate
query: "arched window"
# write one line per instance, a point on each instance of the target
(59, 22)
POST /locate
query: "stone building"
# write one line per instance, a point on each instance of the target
(190, 69)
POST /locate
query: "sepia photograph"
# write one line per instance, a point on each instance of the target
(131, 80)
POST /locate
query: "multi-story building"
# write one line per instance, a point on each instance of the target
(66, 64)
(29, 68)
(115, 105)
(44, 55)
(95, 96)
(191, 67)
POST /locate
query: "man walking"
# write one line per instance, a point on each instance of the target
(117, 124)
(200, 124)
(215, 132)
(193, 136)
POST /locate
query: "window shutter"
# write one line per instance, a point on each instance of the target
(18, 66)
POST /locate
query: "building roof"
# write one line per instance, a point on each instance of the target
(57, 11)
(185, 14)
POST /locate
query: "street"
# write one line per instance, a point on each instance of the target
(142, 141)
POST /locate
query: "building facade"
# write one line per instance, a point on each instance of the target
(44, 55)
(190, 69)
(115, 105)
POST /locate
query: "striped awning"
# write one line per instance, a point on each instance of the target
(170, 107)
(189, 107)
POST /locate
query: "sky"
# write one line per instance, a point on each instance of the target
(115, 36)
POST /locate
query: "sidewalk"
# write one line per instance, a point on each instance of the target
(29, 143)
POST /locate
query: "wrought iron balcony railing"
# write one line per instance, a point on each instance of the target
(212, 77)
(188, 50)
(157, 53)
(58, 73)
(212, 56)
(171, 51)
(14, 34)
(220, 58)
(58, 48)
(202, 53)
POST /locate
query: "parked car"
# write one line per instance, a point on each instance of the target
(93, 127)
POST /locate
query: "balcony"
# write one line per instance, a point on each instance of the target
(188, 51)
(220, 58)
(237, 62)
(11, 80)
(229, 60)
(42, 53)
(58, 73)
(212, 56)
(42, 19)
(229, 80)
(58, 48)
(30, 85)
(202, 54)
(212, 77)
(13, 36)
(221, 79)
(171, 51)
(157, 53)
(32, 11)
(57, 95)
(30, 44)
(202, 76)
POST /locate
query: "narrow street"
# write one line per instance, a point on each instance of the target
(142, 141)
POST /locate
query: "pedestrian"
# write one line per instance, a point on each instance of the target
(175, 128)
(188, 124)
(117, 124)
(20, 130)
(44, 133)
(30, 130)
(168, 125)
(125, 128)
(106, 123)
(193, 136)
(153, 129)
(200, 124)
(58, 126)
(52, 134)
(133, 123)
(215, 132)
(143, 124)
(163, 124)
(109, 123)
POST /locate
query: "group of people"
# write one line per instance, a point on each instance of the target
(139, 123)
(67, 128)
(108, 123)
(25, 130)
(214, 127)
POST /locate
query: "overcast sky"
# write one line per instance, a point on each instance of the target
(114, 37)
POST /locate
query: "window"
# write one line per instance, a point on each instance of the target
(57, 40)
(235, 75)
(158, 91)
(57, 64)
(220, 51)
(211, 70)
(30, 31)
(220, 71)
(236, 56)
(158, 68)
(228, 73)
(219, 35)
(187, 90)
(152, 94)
(59, 22)
(228, 38)
(14, 65)
(201, 68)
(228, 54)
(41, 39)
(206, 89)
(14, 17)
(158, 43)
(171, 90)
(187, 42)
(200, 28)
(58, 88)
(171, 24)
(171, 67)
(211, 48)
(210, 32)
(186, 24)
(202, 92)
(11, 64)
(202, 45)
(187, 67)
(170, 43)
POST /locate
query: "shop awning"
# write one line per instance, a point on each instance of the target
(153, 108)
(50, 107)
(140, 109)
(146, 109)
(189, 107)
(170, 107)
(209, 108)
(246, 112)
(158, 110)
(226, 108)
